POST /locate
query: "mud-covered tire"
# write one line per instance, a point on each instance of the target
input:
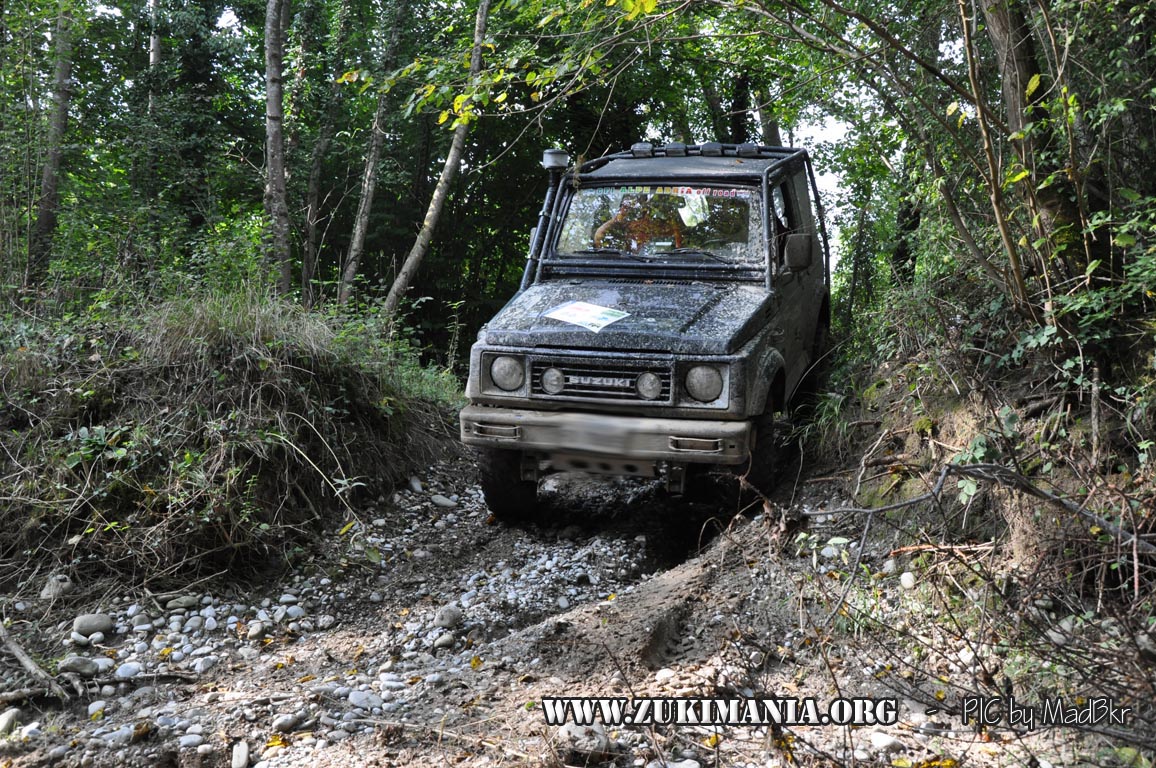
(763, 469)
(509, 497)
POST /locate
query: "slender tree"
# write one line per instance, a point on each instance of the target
(276, 202)
(48, 205)
(453, 161)
(369, 175)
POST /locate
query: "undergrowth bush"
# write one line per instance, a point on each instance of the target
(210, 432)
(1034, 553)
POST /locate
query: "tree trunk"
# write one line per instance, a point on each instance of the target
(325, 132)
(453, 160)
(361, 221)
(47, 207)
(276, 203)
(1052, 207)
(740, 108)
(369, 176)
(769, 126)
(154, 53)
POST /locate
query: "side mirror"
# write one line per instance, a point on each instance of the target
(798, 256)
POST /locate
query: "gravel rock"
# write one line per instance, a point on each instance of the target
(56, 585)
(129, 670)
(204, 664)
(240, 758)
(88, 623)
(445, 640)
(885, 742)
(121, 737)
(584, 740)
(97, 708)
(285, 723)
(184, 602)
(448, 617)
(907, 580)
(80, 665)
(9, 720)
(443, 501)
(365, 700)
(191, 741)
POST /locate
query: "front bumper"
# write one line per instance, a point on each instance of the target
(635, 438)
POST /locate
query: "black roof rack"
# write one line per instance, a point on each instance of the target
(643, 150)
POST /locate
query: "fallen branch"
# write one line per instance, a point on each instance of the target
(21, 695)
(30, 665)
(986, 546)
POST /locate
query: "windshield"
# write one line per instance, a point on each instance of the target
(655, 223)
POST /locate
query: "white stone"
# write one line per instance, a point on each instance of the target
(442, 501)
(884, 742)
(128, 670)
(240, 755)
(9, 720)
(907, 580)
(365, 699)
(285, 723)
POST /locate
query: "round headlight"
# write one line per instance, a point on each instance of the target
(704, 383)
(507, 372)
(649, 386)
(553, 381)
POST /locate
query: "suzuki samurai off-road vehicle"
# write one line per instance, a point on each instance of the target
(674, 300)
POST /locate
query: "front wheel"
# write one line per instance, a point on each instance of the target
(509, 497)
(762, 474)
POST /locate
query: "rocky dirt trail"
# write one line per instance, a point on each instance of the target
(429, 635)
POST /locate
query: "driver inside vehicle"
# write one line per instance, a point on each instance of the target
(640, 220)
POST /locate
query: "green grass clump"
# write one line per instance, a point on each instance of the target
(205, 433)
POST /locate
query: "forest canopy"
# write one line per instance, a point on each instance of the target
(385, 155)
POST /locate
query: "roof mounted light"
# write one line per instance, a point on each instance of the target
(642, 149)
(712, 149)
(677, 149)
(555, 160)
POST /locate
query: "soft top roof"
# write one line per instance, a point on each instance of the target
(708, 161)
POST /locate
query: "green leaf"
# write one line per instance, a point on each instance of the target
(1033, 84)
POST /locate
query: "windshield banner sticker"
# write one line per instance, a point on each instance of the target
(589, 316)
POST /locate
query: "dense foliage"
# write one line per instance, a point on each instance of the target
(995, 144)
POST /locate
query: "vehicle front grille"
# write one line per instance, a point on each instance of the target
(601, 379)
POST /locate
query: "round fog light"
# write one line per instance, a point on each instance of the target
(704, 383)
(553, 381)
(649, 386)
(507, 372)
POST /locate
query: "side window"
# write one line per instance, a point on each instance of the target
(784, 219)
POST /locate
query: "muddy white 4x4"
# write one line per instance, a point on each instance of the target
(674, 300)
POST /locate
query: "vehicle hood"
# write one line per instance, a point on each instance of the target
(698, 318)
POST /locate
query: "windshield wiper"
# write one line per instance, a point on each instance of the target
(693, 252)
